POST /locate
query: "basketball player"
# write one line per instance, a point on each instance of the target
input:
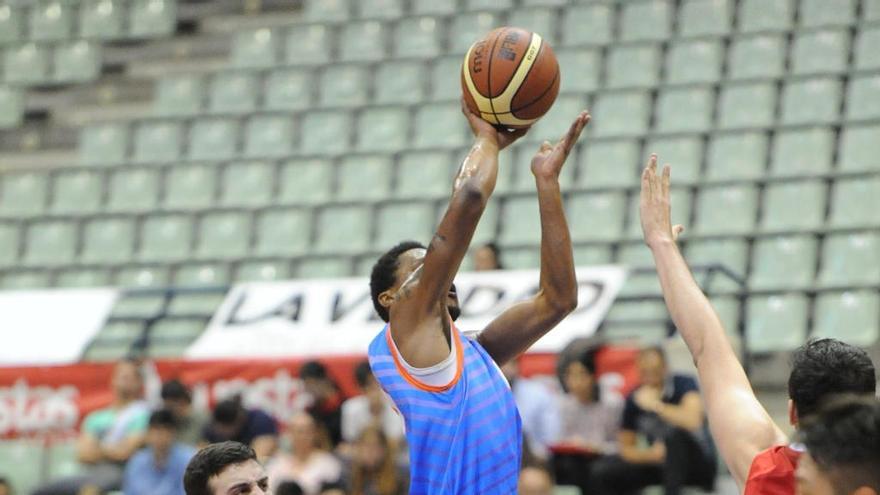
(227, 468)
(753, 446)
(463, 430)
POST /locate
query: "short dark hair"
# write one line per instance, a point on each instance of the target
(163, 418)
(137, 363)
(363, 373)
(210, 462)
(175, 390)
(588, 360)
(384, 273)
(496, 251)
(228, 411)
(654, 349)
(843, 437)
(314, 370)
(824, 367)
(289, 488)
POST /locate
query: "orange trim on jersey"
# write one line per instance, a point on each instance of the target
(459, 363)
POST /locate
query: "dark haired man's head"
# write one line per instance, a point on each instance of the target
(161, 432)
(652, 367)
(228, 468)
(363, 375)
(127, 380)
(289, 488)
(401, 264)
(487, 257)
(824, 367)
(843, 445)
(579, 377)
(176, 397)
(229, 417)
(317, 381)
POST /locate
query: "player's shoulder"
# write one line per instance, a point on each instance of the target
(772, 471)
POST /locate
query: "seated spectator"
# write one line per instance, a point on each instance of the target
(109, 436)
(158, 469)
(233, 422)
(289, 488)
(667, 411)
(5, 487)
(191, 424)
(373, 408)
(228, 468)
(310, 462)
(487, 257)
(326, 407)
(534, 480)
(374, 469)
(537, 409)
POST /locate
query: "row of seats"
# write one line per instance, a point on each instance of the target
(169, 337)
(58, 20)
(11, 107)
(56, 63)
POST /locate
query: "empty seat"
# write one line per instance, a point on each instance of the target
(362, 41)
(183, 331)
(446, 78)
(606, 212)
(646, 20)
(325, 133)
(633, 66)
(587, 24)
(51, 243)
(685, 110)
(142, 276)
(23, 194)
(557, 121)
(213, 139)
(814, 13)
(345, 85)
(77, 61)
(50, 21)
(11, 107)
(26, 64)
(870, 10)
(520, 222)
(25, 279)
(108, 241)
(179, 95)
(103, 144)
(802, 152)
(400, 82)
(731, 253)
(684, 153)
(850, 316)
(765, 15)
(343, 229)
(308, 44)
(100, 19)
(11, 23)
(680, 206)
(288, 89)
(539, 20)
(77, 192)
(582, 69)
(268, 135)
(488, 4)
(10, 237)
(858, 148)
(705, 18)
(83, 277)
(796, 205)
(850, 259)
(252, 271)
(522, 258)
(223, 235)
(190, 187)
(255, 48)
(157, 141)
(694, 61)
(635, 255)
(520, 176)
(400, 221)
(305, 181)
(783, 263)
(863, 98)
(248, 184)
(133, 190)
(384, 129)
(487, 229)
(776, 323)
(467, 28)
(424, 174)
(439, 125)
(284, 232)
(854, 202)
(820, 52)
(737, 156)
(747, 105)
(586, 255)
(364, 177)
(166, 238)
(327, 10)
(757, 57)
(233, 92)
(609, 163)
(866, 55)
(417, 37)
(726, 209)
(811, 101)
(624, 113)
(384, 9)
(152, 18)
(324, 268)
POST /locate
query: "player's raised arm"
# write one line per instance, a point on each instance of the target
(740, 426)
(519, 327)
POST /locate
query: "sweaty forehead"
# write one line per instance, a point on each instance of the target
(409, 259)
(249, 472)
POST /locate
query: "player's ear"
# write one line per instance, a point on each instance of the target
(792, 413)
(386, 298)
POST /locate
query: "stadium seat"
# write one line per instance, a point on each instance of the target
(364, 177)
(522, 258)
(588, 255)
(747, 105)
(776, 323)
(325, 133)
(362, 41)
(606, 215)
(634, 310)
(11, 106)
(26, 456)
(343, 229)
(730, 252)
(308, 44)
(327, 10)
(694, 61)
(635, 66)
(305, 181)
(323, 268)
(582, 69)
(258, 48)
(439, 125)
(26, 64)
(816, 13)
(863, 98)
(82, 277)
(223, 235)
(820, 52)
(248, 184)
(152, 18)
(103, 144)
(10, 239)
(133, 190)
(268, 135)
(487, 229)
(400, 82)
(25, 279)
(683, 153)
(757, 57)
(433, 6)
(417, 37)
(380, 9)
(181, 331)
(77, 192)
(646, 20)
(850, 316)
(469, 27)
(609, 163)
(50, 21)
(142, 277)
(446, 78)
(23, 194)
(870, 10)
(344, 85)
(858, 148)
(11, 23)
(180, 94)
(100, 19)
(201, 274)
(801, 152)
(726, 209)
(850, 259)
(587, 24)
(283, 232)
(157, 141)
(680, 200)
(622, 114)
(108, 241)
(425, 174)
(399, 221)
(259, 271)
(191, 187)
(705, 18)
(520, 223)
(736, 156)
(796, 205)
(811, 101)
(866, 55)
(635, 255)
(557, 121)
(233, 92)
(213, 139)
(166, 238)
(783, 263)
(765, 15)
(288, 89)
(685, 110)
(386, 129)
(855, 202)
(539, 20)
(50, 243)
(76, 62)
(488, 4)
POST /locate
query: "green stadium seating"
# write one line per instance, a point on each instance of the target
(167, 350)
(732, 253)
(465, 29)
(283, 232)
(680, 200)
(685, 110)
(223, 236)
(728, 310)
(417, 37)
(78, 61)
(50, 243)
(325, 133)
(850, 259)
(364, 177)
(202, 274)
(816, 13)
(362, 41)
(100, 19)
(646, 20)
(446, 78)
(802, 152)
(26, 64)
(783, 263)
(50, 21)
(539, 20)
(820, 52)
(233, 92)
(694, 61)
(683, 153)
(107, 351)
(705, 18)
(248, 184)
(747, 105)
(726, 209)
(213, 139)
(133, 190)
(381, 9)
(605, 220)
(191, 187)
(329, 10)
(522, 258)
(157, 142)
(487, 229)
(863, 98)
(142, 276)
(766, 15)
(25, 455)
(736, 156)
(166, 238)
(152, 18)
(344, 85)
(621, 114)
(308, 45)
(23, 194)
(633, 66)
(323, 268)
(268, 135)
(608, 163)
(288, 89)
(184, 331)
(258, 48)
(855, 202)
(776, 323)
(425, 174)
(107, 241)
(180, 94)
(396, 222)
(263, 271)
(521, 166)
(11, 107)
(77, 192)
(582, 68)
(83, 277)
(520, 223)
(811, 101)
(305, 181)
(850, 316)
(636, 310)
(757, 57)
(25, 279)
(488, 4)
(10, 239)
(866, 55)
(635, 255)
(796, 205)
(587, 255)
(343, 229)
(433, 6)
(385, 129)
(587, 24)
(103, 144)
(11, 24)
(400, 82)
(870, 10)
(438, 125)
(857, 151)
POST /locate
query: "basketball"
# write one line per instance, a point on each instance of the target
(510, 77)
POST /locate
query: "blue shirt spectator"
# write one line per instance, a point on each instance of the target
(252, 427)
(538, 409)
(158, 469)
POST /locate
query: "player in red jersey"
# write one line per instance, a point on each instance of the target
(755, 449)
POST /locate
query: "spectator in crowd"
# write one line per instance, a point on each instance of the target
(667, 410)
(334, 488)
(227, 468)
(487, 257)
(252, 427)
(5, 486)
(327, 400)
(191, 424)
(109, 436)
(289, 488)
(158, 469)
(310, 462)
(370, 408)
(535, 480)
(374, 469)
(537, 409)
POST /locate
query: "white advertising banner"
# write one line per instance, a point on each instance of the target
(336, 317)
(51, 326)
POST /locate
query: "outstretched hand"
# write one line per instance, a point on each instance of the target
(654, 207)
(549, 159)
(481, 128)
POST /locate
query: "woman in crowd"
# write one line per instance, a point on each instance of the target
(310, 463)
(374, 469)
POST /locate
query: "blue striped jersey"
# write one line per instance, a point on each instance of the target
(465, 438)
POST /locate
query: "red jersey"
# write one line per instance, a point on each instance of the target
(772, 472)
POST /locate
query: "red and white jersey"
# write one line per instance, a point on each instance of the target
(772, 472)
